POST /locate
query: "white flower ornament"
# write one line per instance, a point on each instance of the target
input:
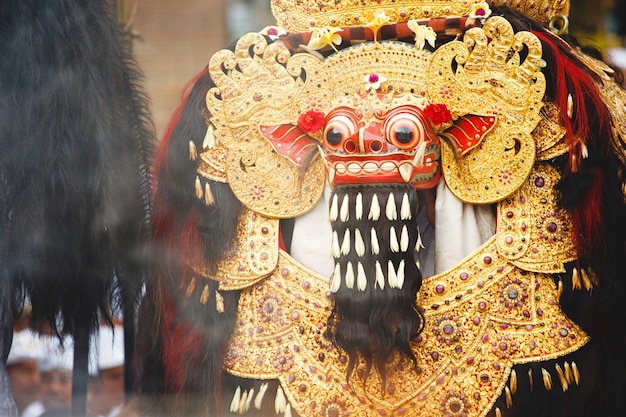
(373, 81)
(423, 34)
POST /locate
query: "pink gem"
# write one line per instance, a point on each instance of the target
(373, 78)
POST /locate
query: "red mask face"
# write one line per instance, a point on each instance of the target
(396, 147)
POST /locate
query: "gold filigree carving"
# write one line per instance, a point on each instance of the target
(482, 317)
(485, 75)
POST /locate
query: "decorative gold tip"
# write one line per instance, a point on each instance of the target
(562, 379)
(191, 287)
(219, 302)
(508, 397)
(576, 283)
(560, 288)
(586, 281)
(593, 277)
(568, 372)
(547, 379)
(243, 402)
(570, 106)
(513, 382)
(576, 373)
(209, 199)
(530, 379)
(199, 193)
(204, 297)
(193, 152)
(498, 412)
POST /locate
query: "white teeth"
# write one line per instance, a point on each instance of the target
(390, 210)
(370, 167)
(418, 159)
(280, 404)
(349, 276)
(359, 245)
(334, 211)
(334, 247)
(387, 166)
(341, 168)
(234, 404)
(404, 239)
(400, 275)
(419, 246)
(374, 209)
(393, 240)
(391, 275)
(380, 276)
(405, 210)
(345, 245)
(406, 171)
(331, 174)
(354, 168)
(335, 281)
(359, 206)
(258, 401)
(344, 213)
(374, 241)
(361, 278)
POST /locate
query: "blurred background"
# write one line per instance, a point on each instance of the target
(174, 40)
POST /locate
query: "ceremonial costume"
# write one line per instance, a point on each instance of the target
(392, 208)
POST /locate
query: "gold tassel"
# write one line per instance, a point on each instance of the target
(191, 287)
(570, 106)
(498, 412)
(547, 379)
(208, 195)
(513, 382)
(576, 284)
(242, 403)
(198, 188)
(204, 297)
(586, 281)
(559, 289)
(509, 398)
(562, 379)
(234, 404)
(530, 379)
(575, 373)
(219, 302)
(568, 372)
(193, 152)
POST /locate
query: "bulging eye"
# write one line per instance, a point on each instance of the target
(404, 130)
(338, 128)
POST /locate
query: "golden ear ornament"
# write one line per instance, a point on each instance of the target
(485, 75)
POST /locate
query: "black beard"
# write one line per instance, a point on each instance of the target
(376, 277)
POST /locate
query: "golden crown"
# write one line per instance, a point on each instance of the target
(304, 15)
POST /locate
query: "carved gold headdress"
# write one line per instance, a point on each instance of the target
(303, 15)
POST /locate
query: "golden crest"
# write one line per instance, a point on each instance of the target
(485, 75)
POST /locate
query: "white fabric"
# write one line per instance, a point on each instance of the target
(312, 237)
(27, 345)
(460, 228)
(33, 410)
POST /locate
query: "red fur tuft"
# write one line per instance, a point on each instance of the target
(587, 220)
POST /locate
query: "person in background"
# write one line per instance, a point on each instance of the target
(106, 388)
(56, 376)
(26, 351)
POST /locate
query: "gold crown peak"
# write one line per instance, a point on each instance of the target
(304, 15)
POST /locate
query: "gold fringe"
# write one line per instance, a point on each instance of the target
(559, 289)
(193, 152)
(204, 297)
(498, 412)
(198, 188)
(219, 302)
(562, 379)
(586, 281)
(513, 382)
(568, 372)
(509, 398)
(209, 199)
(576, 373)
(547, 379)
(530, 379)
(576, 284)
(191, 287)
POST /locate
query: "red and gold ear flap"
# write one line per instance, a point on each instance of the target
(467, 132)
(291, 142)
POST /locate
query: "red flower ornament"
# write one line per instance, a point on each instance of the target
(311, 121)
(438, 114)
